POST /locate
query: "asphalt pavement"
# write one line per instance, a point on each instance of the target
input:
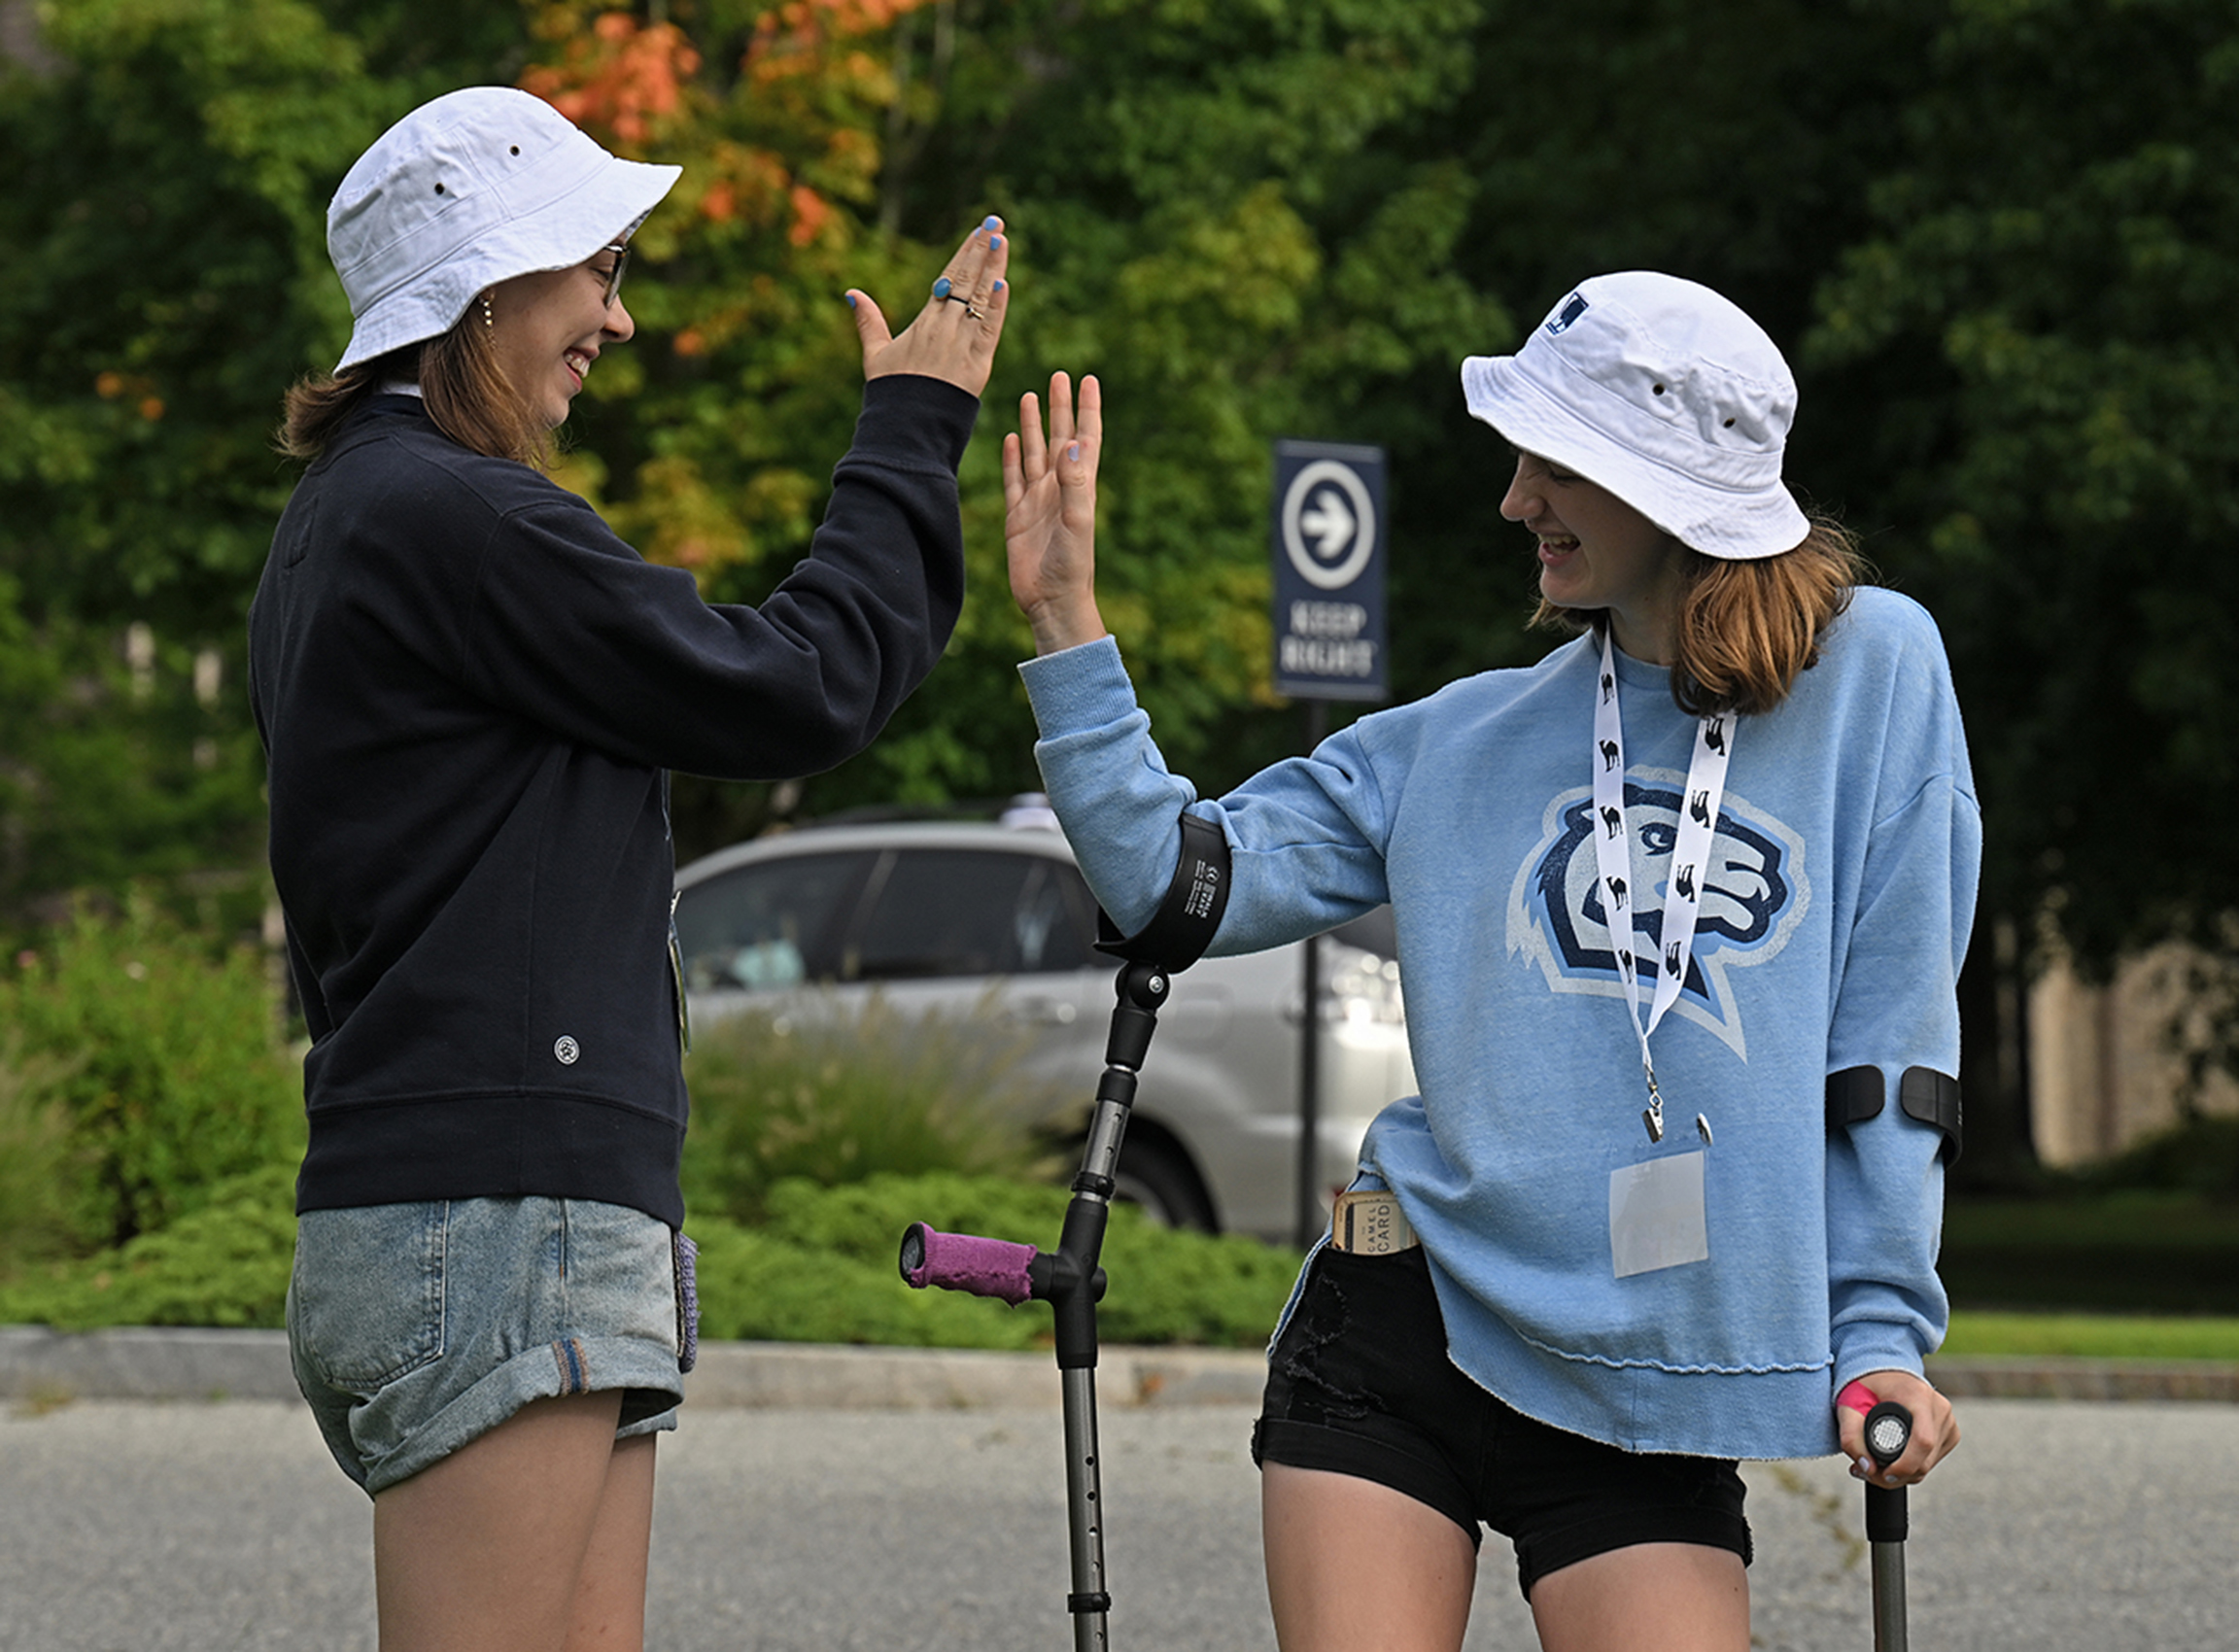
(919, 1503)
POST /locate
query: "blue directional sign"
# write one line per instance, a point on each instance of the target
(1328, 556)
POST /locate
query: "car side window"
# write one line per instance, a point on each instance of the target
(1067, 914)
(967, 912)
(774, 923)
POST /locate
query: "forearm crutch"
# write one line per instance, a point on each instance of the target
(1069, 1278)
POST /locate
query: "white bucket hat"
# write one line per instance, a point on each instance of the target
(1665, 393)
(471, 189)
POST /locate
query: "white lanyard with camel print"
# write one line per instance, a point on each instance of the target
(1656, 1209)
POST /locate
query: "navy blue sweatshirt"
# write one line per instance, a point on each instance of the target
(470, 693)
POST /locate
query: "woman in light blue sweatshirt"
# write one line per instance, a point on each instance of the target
(1680, 916)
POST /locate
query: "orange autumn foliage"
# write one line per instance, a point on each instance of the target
(626, 78)
(622, 77)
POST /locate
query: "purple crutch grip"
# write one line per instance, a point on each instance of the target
(961, 1262)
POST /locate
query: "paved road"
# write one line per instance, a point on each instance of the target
(127, 1527)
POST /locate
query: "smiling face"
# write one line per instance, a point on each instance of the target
(1596, 551)
(548, 327)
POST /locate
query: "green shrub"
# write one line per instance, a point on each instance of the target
(835, 1101)
(822, 1269)
(224, 1264)
(41, 1160)
(756, 1286)
(169, 1068)
(1166, 1286)
(2198, 1157)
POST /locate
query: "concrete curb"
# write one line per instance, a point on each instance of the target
(2049, 1378)
(41, 1366)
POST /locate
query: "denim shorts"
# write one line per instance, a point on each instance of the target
(418, 1327)
(1359, 1382)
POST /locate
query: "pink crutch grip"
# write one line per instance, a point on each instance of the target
(984, 1267)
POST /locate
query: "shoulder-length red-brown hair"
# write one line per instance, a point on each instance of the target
(1746, 630)
(466, 393)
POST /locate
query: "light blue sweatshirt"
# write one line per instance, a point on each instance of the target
(1832, 929)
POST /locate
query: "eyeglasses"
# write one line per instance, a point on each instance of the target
(621, 252)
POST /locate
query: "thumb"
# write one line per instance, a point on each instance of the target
(869, 323)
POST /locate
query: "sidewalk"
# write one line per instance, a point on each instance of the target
(44, 1366)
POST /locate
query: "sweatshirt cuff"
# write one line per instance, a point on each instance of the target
(1863, 1346)
(914, 421)
(1077, 688)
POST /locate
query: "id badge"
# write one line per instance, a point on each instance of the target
(1370, 1223)
(1656, 1215)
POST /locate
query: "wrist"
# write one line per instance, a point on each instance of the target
(1057, 628)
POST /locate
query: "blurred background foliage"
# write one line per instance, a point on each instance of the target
(1998, 238)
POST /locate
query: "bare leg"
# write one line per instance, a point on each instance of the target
(1357, 1566)
(610, 1590)
(1674, 1597)
(489, 1549)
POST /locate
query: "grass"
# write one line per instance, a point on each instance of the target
(2091, 1337)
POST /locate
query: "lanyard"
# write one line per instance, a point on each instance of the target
(1690, 864)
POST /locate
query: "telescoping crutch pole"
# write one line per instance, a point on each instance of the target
(1069, 1278)
(1888, 1430)
(1070, 1281)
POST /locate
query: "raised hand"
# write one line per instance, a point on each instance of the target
(1049, 514)
(953, 337)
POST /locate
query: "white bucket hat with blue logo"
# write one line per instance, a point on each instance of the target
(471, 190)
(1666, 395)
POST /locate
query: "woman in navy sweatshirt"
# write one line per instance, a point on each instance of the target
(470, 693)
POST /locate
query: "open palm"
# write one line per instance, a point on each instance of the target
(1049, 513)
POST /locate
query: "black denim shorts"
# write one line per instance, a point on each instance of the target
(1360, 1384)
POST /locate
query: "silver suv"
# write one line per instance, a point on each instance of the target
(946, 918)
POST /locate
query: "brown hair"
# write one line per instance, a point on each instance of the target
(468, 394)
(1746, 630)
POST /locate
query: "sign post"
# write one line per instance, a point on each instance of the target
(1327, 544)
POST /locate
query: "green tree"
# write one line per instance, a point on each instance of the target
(1227, 214)
(2035, 336)
(172, 160)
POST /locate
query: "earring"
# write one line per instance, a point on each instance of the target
(488, 320)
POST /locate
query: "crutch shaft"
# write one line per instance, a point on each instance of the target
(1888, 1562)
(1091, 1601)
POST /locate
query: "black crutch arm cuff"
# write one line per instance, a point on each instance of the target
(1182, 927)
(1855, 1095)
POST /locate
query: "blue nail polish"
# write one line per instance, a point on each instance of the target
(941, 287)
(999, 286)
(992, 225)
(994, 241)
(850, 300)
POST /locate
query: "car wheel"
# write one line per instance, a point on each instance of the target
(1159, 1178)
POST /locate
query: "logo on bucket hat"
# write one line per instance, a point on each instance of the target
(1570, 311)
(1664, 393)
(472, 189)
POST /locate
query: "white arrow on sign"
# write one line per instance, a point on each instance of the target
(1341, 512)
(1329, 524)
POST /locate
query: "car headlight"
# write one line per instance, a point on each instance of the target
(1360, 986)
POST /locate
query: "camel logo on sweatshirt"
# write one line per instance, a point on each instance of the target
(1753, 887)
